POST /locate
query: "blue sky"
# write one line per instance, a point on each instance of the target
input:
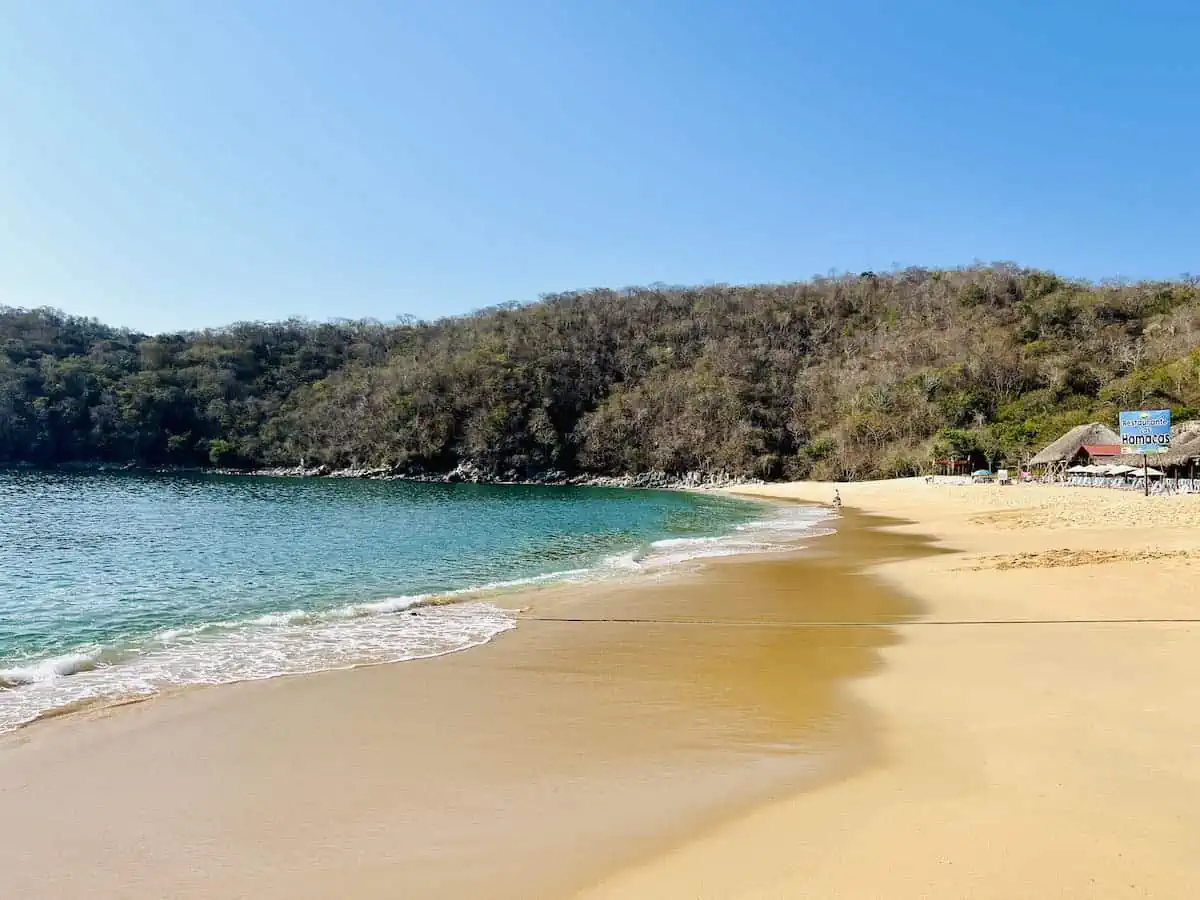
(178, 165)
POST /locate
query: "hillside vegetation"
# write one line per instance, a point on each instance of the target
(842, 377)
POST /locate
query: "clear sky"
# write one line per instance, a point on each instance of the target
(169, 165)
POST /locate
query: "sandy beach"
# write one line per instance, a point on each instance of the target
(1038, 720)
(965, 692)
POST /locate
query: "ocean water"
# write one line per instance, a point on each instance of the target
(118, 585)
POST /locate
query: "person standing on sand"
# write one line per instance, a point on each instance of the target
(837, 499)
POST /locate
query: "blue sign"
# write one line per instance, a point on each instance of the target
(1145, 431)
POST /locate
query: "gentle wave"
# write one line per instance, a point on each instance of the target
(776, 532)
(299, 641)
(291, 642)
(371, 608)
(49, 669)
(222, 654)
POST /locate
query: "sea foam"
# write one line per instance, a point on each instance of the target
(778, 530)
(51, 668)
(266, 647)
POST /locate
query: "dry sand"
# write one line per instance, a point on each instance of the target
(1040, 720)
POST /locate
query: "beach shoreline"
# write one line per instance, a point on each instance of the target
(130, 611)
(1036, 721)
(613, 723)
(965, 691)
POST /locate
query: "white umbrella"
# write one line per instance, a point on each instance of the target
(1153, 473)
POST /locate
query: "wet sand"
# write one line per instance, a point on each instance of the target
(1037, 723)
(530, 767)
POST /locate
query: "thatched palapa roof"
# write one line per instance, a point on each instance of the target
(1067, 446)
(1185, 446)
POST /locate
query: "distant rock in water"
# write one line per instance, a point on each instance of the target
(471, 473)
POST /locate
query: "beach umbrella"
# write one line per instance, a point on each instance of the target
(1153, 473)
(981, 472)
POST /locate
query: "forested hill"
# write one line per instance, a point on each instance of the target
(842, 377)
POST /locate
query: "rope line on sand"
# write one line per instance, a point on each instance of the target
(734, 623)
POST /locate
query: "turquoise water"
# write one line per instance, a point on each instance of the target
(117, 584)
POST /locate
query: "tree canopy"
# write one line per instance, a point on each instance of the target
(849, 376)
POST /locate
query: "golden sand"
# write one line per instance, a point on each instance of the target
(1039, 722)
(1055, 559)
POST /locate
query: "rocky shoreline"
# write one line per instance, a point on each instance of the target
(467, 473)
(464, 473)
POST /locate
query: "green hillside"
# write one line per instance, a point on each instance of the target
(853, 376)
